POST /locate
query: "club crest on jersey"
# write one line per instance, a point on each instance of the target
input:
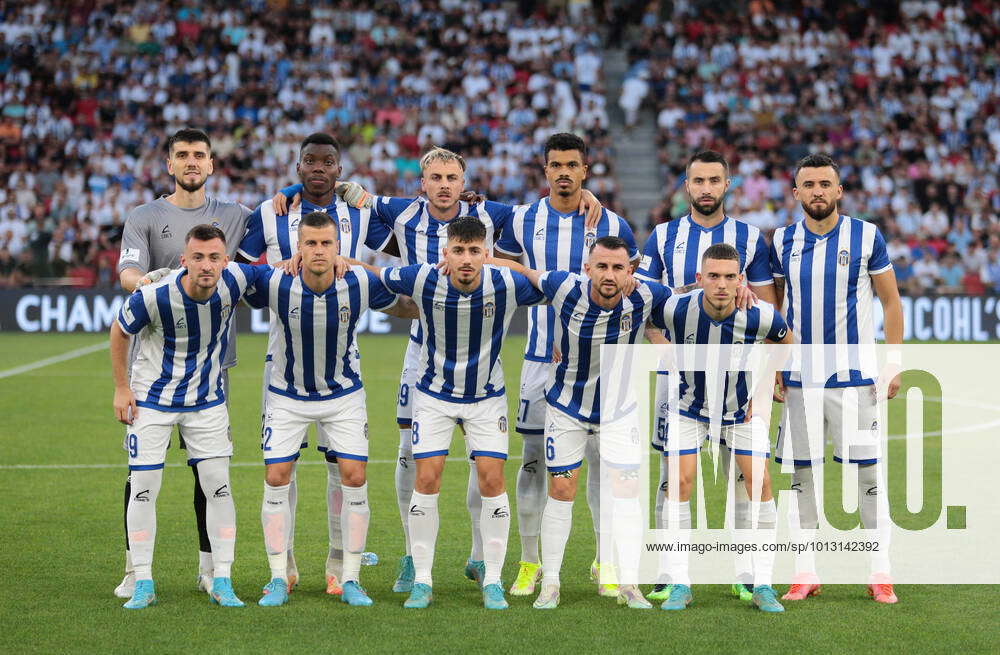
(843, 258)
(345, 314)
(488, 310)
(589, 238)
(345, 225)
(627, 323)
(224, 312)
(216, 223)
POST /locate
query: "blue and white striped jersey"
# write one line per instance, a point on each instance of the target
(421, 237)
(685, 321)
(828, 291)
(574, 383)
(314, 357)
(672, 254)
(548, 240)
(182, 341)
(460, 356)
(277, 235)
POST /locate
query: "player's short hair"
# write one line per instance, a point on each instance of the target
(610, 243)
(816, 160)
(440, 154)
(466, 229)
(722, 251)
(709, 157)
(205, 232)
(188, 135)
(565, 141)
(317, 219)
(321, 139)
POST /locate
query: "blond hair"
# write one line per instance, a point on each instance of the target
(442, 155)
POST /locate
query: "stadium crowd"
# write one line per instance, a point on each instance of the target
(91, 90)
(905, 96)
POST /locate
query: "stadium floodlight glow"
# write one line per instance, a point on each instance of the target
(935, 443)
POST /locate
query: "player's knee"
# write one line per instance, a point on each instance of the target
(427, 482)
(278, 475)
(626, 484)
(352, 476)
(562, 486)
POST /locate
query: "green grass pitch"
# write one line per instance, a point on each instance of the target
(62, 549)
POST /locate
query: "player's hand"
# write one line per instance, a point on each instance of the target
(629, 285)
(779, 388)
(340, 266)
(591, 208)
(291, 265)
(152, 276)
(443, 269)
(556, 355)
(889, 381)
(354, 195)
(745, 298)
(280, 203)
(125, 408)
(472, 197)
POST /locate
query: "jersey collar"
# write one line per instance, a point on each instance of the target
(701, 228)
(821, 237)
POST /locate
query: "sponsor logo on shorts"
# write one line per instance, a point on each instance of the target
(142, 496)
(274, 502)
(664, 485)
(222, 491)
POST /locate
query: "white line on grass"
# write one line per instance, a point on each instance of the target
(72, 354)
(122, 465)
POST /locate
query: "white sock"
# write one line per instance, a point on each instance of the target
(474, 503)
(765, 518)
(557, 520)
(602, 541)
(803, 519)
(495, 527)
(406, 473)
(875, 518)
(663, 577)
(140, 520)
(293, 499)
(334, 504)
(677, 518)
(355, 520)
(424, 521)
(530, 496)
(742, 562)
(275, 519)
(220, 513)
(205, 565)
(627, 522)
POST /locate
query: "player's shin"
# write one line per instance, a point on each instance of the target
(275, 518)
(220, 513)
(875, 519)
(602, 541)
(495, 527)
(764, 519)
(293, 499)
(557, 520)
(743, 565)
(626, 524)
(474, 503)
(804, 519)
(530, 496)
(354, 521)
(334, 506)
(423, 522)
(406, 472)
(677, 519)
(140, 520)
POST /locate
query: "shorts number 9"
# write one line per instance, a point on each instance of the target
(133, 445)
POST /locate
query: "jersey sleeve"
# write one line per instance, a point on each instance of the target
(400, 279)
(759, 269)
(133, 316)
(253, 245)
(379, 233)
(290, 191)
(550, 281)
(778, 327)
(660, 294)
(526, 292)
(508, 243)
(501, 214)
(135, 243)
(879, 261)
(663, 315)
(379, 297)
(651, 264)
(776, 270)
(626, 235)
(258, 289)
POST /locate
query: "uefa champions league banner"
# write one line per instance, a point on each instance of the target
(72, 310)
(930, 513)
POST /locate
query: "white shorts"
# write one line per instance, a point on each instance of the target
(531, 404)
(408, 383)
(205, 434)
(341, 427)
(742, 438)
(831, 412)
(484, 422)
(566, 440)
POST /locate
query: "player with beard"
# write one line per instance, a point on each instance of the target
(672, 256)
(825, 270)
(152, 244)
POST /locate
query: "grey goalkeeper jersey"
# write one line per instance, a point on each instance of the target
(153, 238)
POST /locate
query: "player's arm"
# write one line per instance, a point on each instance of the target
(124, 400)
(371, 268)
(530, 273)
(403, 308)
(654, 335)
(765, 292)
(892, 308)
(591, 208)
(779, 291)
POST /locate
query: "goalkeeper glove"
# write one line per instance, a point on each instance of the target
(354, 195)
(152, 276)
